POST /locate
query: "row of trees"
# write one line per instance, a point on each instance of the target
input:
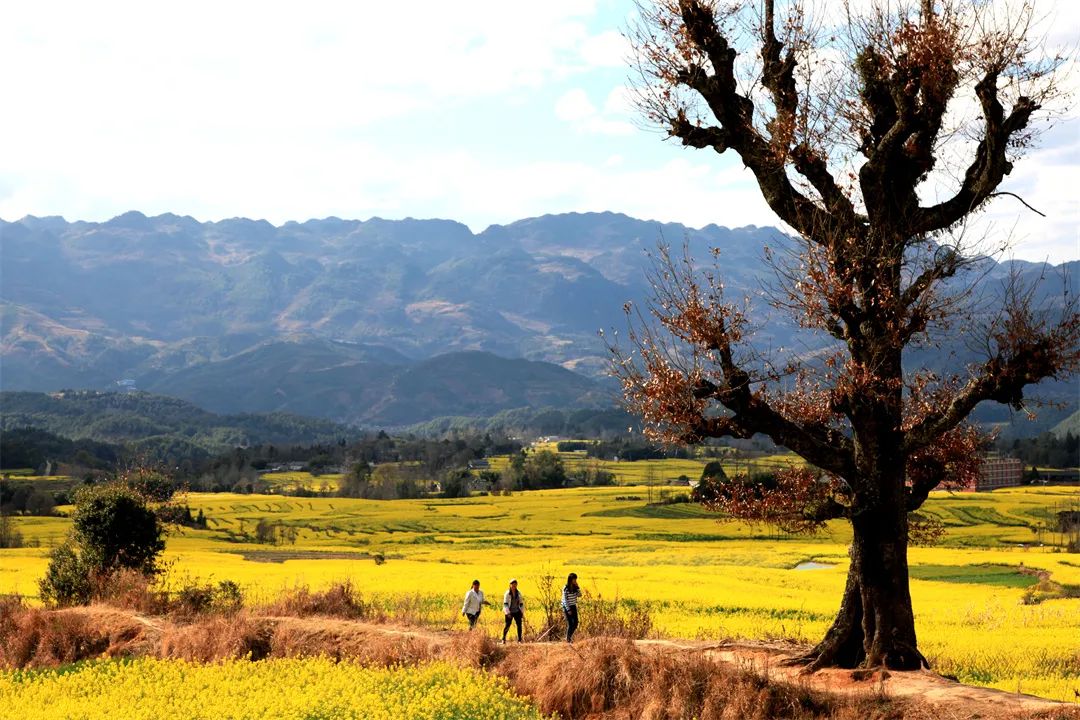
(1046, 450)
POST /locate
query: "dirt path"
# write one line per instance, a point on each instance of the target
(953, 700)
(957, 699)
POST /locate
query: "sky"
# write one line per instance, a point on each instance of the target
(479, 111)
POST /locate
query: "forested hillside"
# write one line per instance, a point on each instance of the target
(142, 419)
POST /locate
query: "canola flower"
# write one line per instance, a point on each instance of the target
(699, 578)
(278, 689)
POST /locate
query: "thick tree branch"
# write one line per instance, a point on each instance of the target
(778, 76)
(990, 164)
(735, 113)
(825, 447)
(813, 167)
(699, 137)
(1002, 379)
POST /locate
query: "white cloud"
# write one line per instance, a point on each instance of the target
(289, 111)
(574, 105)
(620, 102)
(1046, 179)
(608, 49)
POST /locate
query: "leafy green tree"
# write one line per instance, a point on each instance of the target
(714, 471)
(455, 484)
(355, 483)
(113, 528)
(536, 470)
(10, 537)
(67, 580)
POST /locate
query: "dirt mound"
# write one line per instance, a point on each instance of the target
(598, 678)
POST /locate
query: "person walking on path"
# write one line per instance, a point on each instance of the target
(513, 609)
(570, 594)
(474, 602)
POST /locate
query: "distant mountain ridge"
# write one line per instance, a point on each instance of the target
(96, 301)
(337, 318)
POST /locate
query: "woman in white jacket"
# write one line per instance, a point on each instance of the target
(474, 602)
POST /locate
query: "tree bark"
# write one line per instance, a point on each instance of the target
(875, 626)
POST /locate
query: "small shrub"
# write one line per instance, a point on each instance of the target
(10, 537)
(193, 600)
(67, 579)
(113, 529)
(228, 598)
(339, 600)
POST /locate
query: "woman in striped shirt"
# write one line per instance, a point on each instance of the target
(570, 594)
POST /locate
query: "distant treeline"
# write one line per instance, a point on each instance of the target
(530, 422)
(120, 427)
(34, 448)
(1046, 450)
(162, 428)
(375, 465)
(632, 448)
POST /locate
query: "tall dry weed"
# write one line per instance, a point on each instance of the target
(339, 600)
(35, 637)
(217, 638)
(347, 641)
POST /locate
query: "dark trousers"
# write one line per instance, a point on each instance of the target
(472, 619)
(571, 622)
(516, 618)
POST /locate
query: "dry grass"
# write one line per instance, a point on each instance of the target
(344, 600)
(596, 679)
(216, 638)
(129, 589)
(340, 600)
(33, 637)
(615, 680)
(345, 641)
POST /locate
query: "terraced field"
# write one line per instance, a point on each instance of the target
(992, 605)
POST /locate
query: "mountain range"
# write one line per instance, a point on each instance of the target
(374, 322)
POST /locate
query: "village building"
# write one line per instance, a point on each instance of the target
(997, 472)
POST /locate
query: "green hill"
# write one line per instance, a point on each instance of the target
(154, 421)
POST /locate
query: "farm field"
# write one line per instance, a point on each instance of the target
(657, 471)
(281, 689)
(980, 613)
(290, 481)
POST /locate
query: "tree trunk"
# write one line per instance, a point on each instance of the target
(875, 625)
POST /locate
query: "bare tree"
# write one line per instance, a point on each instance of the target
(842, 123)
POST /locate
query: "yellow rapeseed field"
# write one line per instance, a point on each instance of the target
(978, 611)
(276, 689)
